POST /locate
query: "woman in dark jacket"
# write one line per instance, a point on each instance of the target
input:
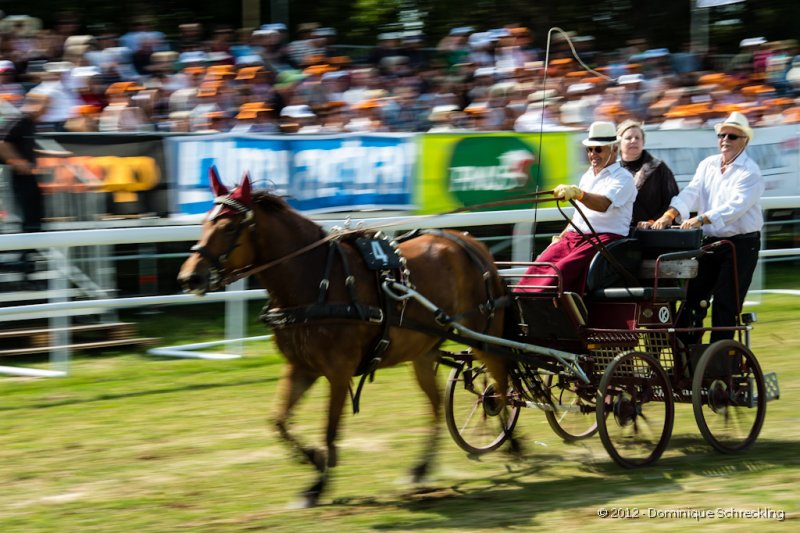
(654, 180)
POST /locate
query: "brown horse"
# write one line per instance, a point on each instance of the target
(259, 234)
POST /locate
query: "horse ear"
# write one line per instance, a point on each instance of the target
(244, 192)
(216, 185)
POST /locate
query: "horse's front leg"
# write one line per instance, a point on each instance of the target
(294, 384)
(426, 377)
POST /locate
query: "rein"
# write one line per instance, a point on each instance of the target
(249, 271)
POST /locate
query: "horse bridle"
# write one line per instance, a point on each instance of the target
(217, 263)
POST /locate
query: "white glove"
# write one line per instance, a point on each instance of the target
(567, 192)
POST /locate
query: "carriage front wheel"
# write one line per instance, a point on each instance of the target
(635, 409)
(476, 418)
(728, 396)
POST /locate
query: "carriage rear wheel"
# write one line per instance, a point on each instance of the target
(635, 409)
(729, 396)
(476, 418)
(573, 417)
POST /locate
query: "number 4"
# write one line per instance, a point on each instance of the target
(378, 253)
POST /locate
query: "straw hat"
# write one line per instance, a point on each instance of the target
(601, 134)
(737, 121)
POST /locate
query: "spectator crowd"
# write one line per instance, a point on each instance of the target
(220, 79)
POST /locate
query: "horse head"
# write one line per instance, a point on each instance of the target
(224, 246)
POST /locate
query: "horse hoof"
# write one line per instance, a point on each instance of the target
(315, 457)
(310, 496)
(305, 501)
(515, 446)
(418, 473)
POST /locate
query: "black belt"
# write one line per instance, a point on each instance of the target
(734, 238)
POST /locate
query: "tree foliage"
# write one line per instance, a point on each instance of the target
(611, 22)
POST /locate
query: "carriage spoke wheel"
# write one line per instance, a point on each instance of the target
(635, 409)
(476, 418)
(728, 396)
(573, 417)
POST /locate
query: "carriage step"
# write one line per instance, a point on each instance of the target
(773, 391)
(539, 405)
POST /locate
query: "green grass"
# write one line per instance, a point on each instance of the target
(133, 443)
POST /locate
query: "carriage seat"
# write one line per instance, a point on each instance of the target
(656, 242)
(549, 319)
(605, 282)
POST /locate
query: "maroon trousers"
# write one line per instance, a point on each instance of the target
(571, 255)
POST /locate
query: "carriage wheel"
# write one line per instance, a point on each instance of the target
(574, 416)
(475, 417)
(635, 409)
(728, 396)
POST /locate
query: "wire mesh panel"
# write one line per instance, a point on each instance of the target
(604, 346)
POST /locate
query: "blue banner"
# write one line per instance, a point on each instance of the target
(316, 174)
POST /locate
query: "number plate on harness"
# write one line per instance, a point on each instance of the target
(378, 254)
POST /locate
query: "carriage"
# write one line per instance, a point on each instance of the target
(615, 362)
(611, 360)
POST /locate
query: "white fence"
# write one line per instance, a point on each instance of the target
(61, 243)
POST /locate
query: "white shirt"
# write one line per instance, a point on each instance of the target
(61, 101)
(616, 184)
(731, 201)
(532, 121)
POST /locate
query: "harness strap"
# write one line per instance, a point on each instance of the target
(493, 305)
(278, 318)
(487, 307)
(326, 276)
(535, 360)
(349, 280)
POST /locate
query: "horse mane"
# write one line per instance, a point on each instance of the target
(269, 201)
(272, 203)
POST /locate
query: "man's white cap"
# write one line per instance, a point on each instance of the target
(297, 111)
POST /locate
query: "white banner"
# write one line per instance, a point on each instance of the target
(776, 149)
(715, 3)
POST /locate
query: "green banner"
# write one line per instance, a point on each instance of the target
(462, 169)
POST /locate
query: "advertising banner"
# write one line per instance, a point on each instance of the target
(461, 170)
(316, 174)
(129, 166)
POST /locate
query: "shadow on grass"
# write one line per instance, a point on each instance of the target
(142, 393)
(510, 499)
(514, 498)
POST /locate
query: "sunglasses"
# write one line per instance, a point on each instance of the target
(595, 149)
(731, 136)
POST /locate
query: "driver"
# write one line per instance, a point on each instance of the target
(606, 192)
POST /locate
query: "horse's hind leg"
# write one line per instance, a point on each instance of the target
(499, 372)
(335, 405)
(426, 377)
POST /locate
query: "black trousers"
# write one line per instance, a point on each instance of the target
(715, 278)
(30, 201)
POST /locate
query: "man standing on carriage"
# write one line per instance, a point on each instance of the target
(606, 192)
(725, 192)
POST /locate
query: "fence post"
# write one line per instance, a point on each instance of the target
(235, 320)
(58, 263)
